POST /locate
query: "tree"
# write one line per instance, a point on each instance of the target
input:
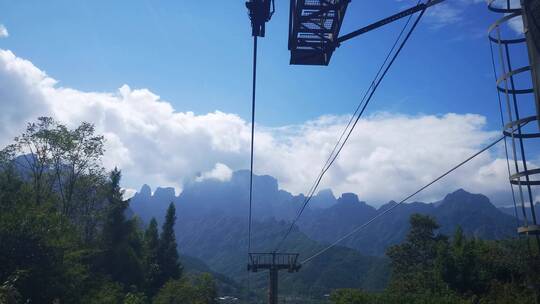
(36, 146)
(79, 153)
(349, 296)
(206, 288)
(201, 291)
(152, 269)
(168, 259)
(464, 262)
(413, 262)
(177, 292)
(57, 160)
(11, 186)
(120, 243)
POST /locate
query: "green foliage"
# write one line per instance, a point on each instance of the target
(428, 268)
(135, 298)
(8, 292)
(168, 259)
(152, 267)
(206, 288)
(413, 262)
(351, 296)
(121, 245)
(106, 292)
(201, 291)
(63, 231)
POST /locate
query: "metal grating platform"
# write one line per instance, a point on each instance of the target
(275, 261)
(313, 30)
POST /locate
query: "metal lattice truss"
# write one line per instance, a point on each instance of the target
(314, 27)
(273, 261)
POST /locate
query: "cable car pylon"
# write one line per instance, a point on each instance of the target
(260, 12)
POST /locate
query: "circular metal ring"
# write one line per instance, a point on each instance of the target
(523, 136)
(524, 173)
(510, 128)
(512, 73)
(506, 10)
(520, 122)
(506, 76)
(498, 23)
(525, 183)
(517, 92)
(530, 229)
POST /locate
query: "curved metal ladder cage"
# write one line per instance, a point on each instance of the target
(519, 116)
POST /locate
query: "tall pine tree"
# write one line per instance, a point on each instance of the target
(152, 269)
(120, 241)
(168, 259)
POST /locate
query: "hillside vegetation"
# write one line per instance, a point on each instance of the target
(64, 234)
(432, 268)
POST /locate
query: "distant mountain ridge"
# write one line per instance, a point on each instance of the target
(519, 211)
(212, 226)
(473, 212)
(327, 217)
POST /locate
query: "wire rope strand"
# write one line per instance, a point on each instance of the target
(254, 85)
(252, 139)
(505, 143)
(402, 201)
(370, 96)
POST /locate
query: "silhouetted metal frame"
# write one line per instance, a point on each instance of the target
(314, 44)
(273, 262)
(523, 178)
(531, 23)
(329, 39)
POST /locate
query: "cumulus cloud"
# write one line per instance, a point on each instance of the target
(3, 31)
(220, 172)
(516, 24)
(388, 155)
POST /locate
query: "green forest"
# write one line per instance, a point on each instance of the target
(66, 234)
(433, 268)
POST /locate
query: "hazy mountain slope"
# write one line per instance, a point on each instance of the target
(473, 212)
(221, 242)
(195, 266)
(330, 218)
(512, 212)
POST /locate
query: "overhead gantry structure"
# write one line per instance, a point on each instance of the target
(315, 25)
(314, 35)
(313, 28)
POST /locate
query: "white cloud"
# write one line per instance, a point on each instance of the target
(516, 24)
(447, 13)
(220, 172)
(388, 155)
(444, 14)
(3, 31)
(129, 193)
(459, 14)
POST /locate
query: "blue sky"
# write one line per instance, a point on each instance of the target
(106, 62)
(197, 55)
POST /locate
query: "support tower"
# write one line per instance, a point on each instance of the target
(273, 262)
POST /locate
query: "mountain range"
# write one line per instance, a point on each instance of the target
(212, 227)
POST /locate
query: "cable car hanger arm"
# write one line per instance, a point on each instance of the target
(387, 20)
